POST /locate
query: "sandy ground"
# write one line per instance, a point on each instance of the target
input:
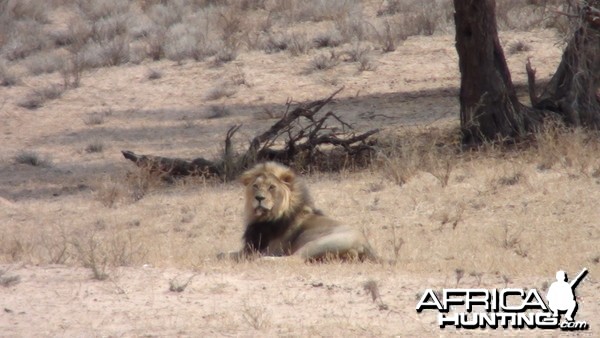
(499, 234)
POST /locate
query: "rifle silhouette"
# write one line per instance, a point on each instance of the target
(579, 278)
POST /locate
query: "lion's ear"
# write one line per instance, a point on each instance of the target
(247, 178)
(287, 177)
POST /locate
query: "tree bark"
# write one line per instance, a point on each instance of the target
(489, 108)
(574, 90)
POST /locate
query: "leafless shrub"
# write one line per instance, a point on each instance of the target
(217, 112)
(570, 148)
(323, 61)
(511, 179)
(353, 26)
(189, 42)
(37, 97)
(317, 10)
(95, 147)
(97, 10)
(96, 118)
(224, 56)
(389, 37)
(298, 44)
(365, 63)
(72, 70)
(44, 63)
(331, 38)
(154, 74)
(91, 254)
(166, 15)
(7, 280)
(27, 10)
(108, 28)
(219, 91)
(518, 47)
(116, 51)
(32, 158)
(433, 151)
(110, 192)
(256, 316)
(24, 39)
(156, 41)
(7, 76)
(238, 78)
(276, 43)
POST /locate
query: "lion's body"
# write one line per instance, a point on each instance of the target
(281, 220)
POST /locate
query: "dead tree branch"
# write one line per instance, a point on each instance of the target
(295, 139)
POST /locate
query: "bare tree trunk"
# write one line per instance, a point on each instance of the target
(489, 108)
(574, 90)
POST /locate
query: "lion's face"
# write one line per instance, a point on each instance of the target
(268, 191)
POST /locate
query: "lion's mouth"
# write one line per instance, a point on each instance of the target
(261, 210)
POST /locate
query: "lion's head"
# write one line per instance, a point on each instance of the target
(273, 192)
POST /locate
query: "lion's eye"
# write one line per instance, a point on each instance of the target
(255, 186)
(271, 187)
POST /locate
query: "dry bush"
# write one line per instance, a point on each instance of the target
(299, 44)
(37, 97)
(224, 56)
(275, 43)
(330, 38)
(96, 118)
(44, 63)
(8, 77)
(110, 192)
(91, 254)
(8, 280)
(323, 61)
(95, 147)
(315, 10)
(217, 112)
(221, 90)
(575, 150)
(97, 10)
(256, 316)
(32, 158)
(25, 38)
(432, 151)
(26, 10)
(154, 74)
(361, 54)
(518, 47)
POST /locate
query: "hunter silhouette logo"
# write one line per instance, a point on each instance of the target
(561, 294)
(510, 307)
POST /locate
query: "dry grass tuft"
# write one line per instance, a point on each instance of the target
(220, 91)
(323, 62)
(37, 97)
(32, 158)
(7, 280)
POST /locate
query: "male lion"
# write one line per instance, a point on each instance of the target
(281, 220)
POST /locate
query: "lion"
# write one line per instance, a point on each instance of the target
(281, 220)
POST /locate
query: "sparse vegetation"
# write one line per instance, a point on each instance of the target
(8, 280)
(95, 147)
(323, 61)
(37, 97)
(32, 158)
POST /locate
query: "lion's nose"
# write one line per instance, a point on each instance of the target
(259, 198)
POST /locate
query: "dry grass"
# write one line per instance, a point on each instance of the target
(32, 158)
(37, 97)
